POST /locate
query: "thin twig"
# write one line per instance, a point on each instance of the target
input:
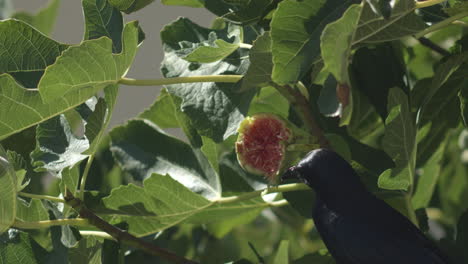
(121, 235)
(428, 43)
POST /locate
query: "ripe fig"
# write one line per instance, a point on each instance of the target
(261, 145)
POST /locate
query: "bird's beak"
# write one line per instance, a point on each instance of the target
(289, 174)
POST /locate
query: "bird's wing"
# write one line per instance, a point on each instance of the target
(379, 238)
(364, 244)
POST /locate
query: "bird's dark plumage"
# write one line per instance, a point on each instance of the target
(356, 226)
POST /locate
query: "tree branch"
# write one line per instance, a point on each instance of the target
(177, 80)
(121, 235)
(428, 43)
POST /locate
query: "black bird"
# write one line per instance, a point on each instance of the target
(356, 226)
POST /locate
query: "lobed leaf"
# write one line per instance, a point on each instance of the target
(163, 202)
(16, 101)
(282, 254)
(373, 28)
(261, 67)
(241, 12)
(101, 19)
(296, 28)
(17, 247)
(427, 181)
(57, 147)
(336, 42)
(141, 149)
(215, 109)
(399, 142)
(7, 192)
(89, 66)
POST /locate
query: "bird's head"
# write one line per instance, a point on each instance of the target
(325, 171)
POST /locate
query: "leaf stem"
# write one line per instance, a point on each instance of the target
(122, 235)
(441, 24)
(85, 175)
(50, 223)
(245, 46)
(428, 3)
(96, 234)
(43, 197)
(274, 189)
(176, 80)
(279, 203)
(301, 105)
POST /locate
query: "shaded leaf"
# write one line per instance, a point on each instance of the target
(164, 202)
(459, 6)
(427, 181)
(399, 142)
(88, 251)
(57, 147)
(282, 254)
(375, 70)
(16, 247)
(440, 114)
(462, 236)
(70, 179)
(336, 42)
(443, 73)
(261, 66)
(7, 192)
(381, 7)
(98, 120)
(20, 166)
(141, 149)
(28, 51)
(402, 22)
(101, 19)
(316, 258)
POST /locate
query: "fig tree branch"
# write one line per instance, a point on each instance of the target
(176, 80)
(428, 43)
(273, 189)
(122, 235)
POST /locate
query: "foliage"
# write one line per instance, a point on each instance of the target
(384, 83)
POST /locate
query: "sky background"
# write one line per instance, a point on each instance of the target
(69, 29)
